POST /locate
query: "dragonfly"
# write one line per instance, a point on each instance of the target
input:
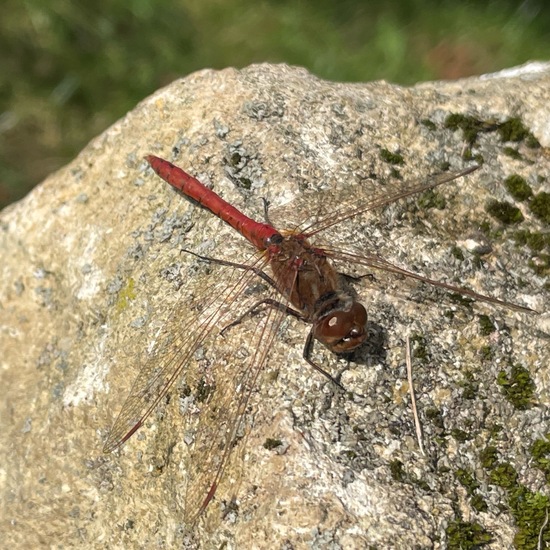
(302, 281)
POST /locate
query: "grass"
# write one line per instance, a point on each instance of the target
(69, 69)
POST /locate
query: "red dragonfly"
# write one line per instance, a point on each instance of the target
(308, 287)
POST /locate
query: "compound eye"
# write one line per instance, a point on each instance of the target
(342, 331)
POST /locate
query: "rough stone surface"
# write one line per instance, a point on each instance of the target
(92, 267)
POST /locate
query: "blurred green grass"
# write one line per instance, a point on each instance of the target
(70, 69)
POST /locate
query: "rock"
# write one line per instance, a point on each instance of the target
(92, 268)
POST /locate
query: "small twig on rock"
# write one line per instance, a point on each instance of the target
(417, 425)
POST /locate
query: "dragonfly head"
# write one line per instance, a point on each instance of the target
(342, 330)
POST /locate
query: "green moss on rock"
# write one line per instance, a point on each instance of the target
(470, 126)
(461, 435)
(392, 158)
(540, 451)
(464, 535)
(431, 199)
(518, 387)
(486, 326)
(489, 457)
(518, 187)
(512, 153)
(540, 206)
(504, 212)
(428, 124)
(513, 129)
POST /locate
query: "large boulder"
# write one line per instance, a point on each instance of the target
(92, 268)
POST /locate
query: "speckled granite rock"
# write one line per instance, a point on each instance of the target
(91, 268)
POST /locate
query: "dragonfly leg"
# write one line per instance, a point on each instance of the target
(306, 355)
(236, 265)
(357, 278)
(266, 211)
(269, 302)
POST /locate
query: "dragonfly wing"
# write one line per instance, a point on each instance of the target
(174, 347)
(223, 414)
(217, 387)
(377, 262)
(313, 213)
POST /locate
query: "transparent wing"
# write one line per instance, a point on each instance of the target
(222, 414)
(176, 343)
(218, 378)
(374, 261)
(312, 213)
